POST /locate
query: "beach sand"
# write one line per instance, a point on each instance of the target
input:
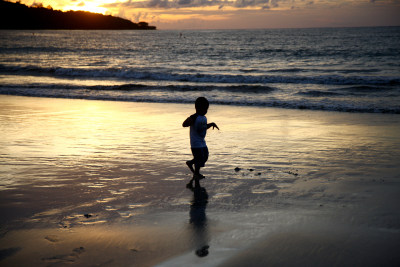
(97, 183)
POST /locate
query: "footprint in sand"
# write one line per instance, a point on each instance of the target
(65, 258)
(52, 238)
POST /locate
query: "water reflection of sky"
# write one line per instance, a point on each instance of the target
(129, 157)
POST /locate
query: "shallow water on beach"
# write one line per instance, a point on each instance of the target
(110, 150)
(67, 164)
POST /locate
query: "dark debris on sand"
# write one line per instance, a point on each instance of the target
(5, 253)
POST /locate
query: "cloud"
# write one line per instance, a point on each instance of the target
(196, 14)
(177, 4)
(274, 3)
(166, 4)
(251, 3)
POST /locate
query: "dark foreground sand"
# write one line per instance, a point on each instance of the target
(93, 183)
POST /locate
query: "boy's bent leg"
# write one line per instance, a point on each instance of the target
(200, 158)
(190, 163)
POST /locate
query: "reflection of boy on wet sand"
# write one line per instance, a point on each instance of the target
(198, 130)
(198, 220)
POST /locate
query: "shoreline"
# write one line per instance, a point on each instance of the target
(273, 105)
(103, 182)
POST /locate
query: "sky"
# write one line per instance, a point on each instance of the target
(241, 14)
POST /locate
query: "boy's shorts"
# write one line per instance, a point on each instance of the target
(200, 156)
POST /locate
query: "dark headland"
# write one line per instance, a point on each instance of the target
(19, 16)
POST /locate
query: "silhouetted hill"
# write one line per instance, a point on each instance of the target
(19, 16)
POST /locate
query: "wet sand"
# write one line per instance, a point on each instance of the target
(104, 183)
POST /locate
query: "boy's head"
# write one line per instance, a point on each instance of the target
(201, 105)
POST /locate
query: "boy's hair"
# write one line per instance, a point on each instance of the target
(201, 103)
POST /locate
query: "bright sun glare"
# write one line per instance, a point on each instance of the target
(88, 6)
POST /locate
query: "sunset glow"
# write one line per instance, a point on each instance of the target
(87, 6)
(241, 14)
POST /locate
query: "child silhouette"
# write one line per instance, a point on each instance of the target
(198, 130)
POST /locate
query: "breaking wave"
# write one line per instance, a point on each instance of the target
(138, 74)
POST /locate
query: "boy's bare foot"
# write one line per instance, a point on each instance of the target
(198, 176)
(190, 165)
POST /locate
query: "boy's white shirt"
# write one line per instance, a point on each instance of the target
(198, 132)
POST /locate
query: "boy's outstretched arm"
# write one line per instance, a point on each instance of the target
(212, 125)
(189, 121)
(186, 123)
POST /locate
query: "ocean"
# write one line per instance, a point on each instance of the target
(333, 69)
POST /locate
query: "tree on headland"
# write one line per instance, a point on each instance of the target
(34, 5)
(19, 16)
